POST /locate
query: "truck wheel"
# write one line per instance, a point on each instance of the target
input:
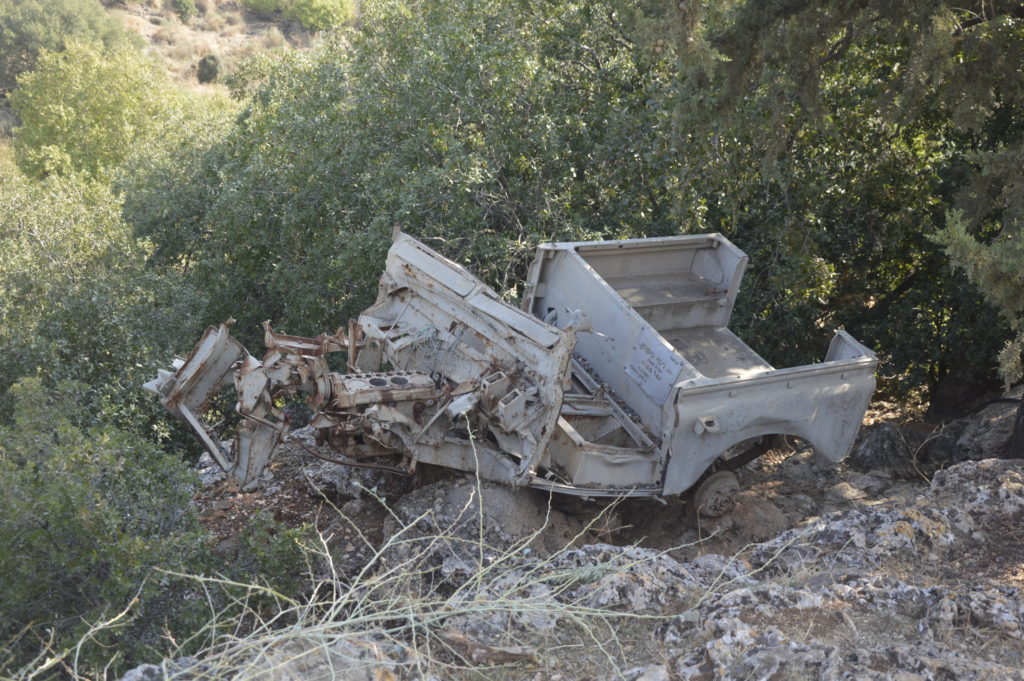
(717, 494)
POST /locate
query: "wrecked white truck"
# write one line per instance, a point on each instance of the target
(619, 376)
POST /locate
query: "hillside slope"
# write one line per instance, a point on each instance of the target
(924, 586)
(225, 28)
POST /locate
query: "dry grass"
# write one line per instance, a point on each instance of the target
(6, 152)
(273, 38)
(169, 33)
(213, 21)
(399, 616)
(407, 612)
(221, 27)
(8, 121)
(190, 51)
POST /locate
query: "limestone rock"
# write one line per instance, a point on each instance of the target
(845, 491)
(144, 672)
(453, 524)
(209, 470)
(987, 434)
(940, 446)
(881, 446)
(864, 592)
(758, 518)
(642, 580)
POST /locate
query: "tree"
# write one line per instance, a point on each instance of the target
(317, 15)
(484, 126)
(83, 323)
(980, 81)
(865, 120)
(29, 27)
(76, 300)
(488, 127)
(86, 108)
(995, 265)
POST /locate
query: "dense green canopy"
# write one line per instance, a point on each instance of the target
(828, 142)
(941, 80)
(28, 27)
(852, 135)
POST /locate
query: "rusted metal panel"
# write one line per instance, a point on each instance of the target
(435, 317)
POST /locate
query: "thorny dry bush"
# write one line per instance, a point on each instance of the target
(425, 606)
(399, 613)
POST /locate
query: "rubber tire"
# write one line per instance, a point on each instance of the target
(716, 495)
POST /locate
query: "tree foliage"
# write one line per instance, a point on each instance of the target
(76, 299)
(995, 265)
(208, 69)
(982, 84)
(84, 108)
(848, 147)
(486, 127)
(855, 127)
(185, 9)
(29, 27)
(87, 512)
(317, 15)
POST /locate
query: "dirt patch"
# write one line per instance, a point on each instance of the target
(460, 505)
(359, 508)
(997, 556)
(303, 490)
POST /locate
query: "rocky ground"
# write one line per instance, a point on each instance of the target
(905, 562)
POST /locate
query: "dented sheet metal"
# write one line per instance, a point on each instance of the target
(433, 316)
(662, 307)
(618, 375)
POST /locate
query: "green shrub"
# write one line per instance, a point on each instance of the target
(320, 14)
(492, 125)
(77, 300)
(317, 15)
(996, 266)
(29, 27)
(265, 7)
(83, 109)
(208, 69)
(274, 554)
(476, 123)
(87, 512)
(185, 9)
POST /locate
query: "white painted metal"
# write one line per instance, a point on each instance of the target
(450, 374)
(660, 309)
(433, 316)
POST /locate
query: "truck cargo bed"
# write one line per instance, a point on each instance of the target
(659, 311)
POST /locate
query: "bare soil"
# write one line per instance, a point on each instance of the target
(292, 498)
(783, 488)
